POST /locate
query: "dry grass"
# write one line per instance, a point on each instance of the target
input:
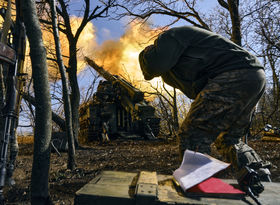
(28, 139)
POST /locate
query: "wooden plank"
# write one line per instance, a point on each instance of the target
(146, 188)
(147, 178)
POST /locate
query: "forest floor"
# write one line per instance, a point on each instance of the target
(124, 155)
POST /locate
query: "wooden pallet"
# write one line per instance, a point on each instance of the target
(148, 188)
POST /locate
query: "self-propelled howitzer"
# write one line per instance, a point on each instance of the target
(117, 108)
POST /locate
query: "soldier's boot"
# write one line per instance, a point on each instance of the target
(243, 159)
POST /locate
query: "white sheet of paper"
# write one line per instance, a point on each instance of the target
(197, 167)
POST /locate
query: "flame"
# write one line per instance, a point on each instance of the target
(121, 56)
(86, 43)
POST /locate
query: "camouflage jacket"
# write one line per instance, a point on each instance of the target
(186, 57)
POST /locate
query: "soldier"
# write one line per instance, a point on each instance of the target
(225, 81)
(105, 116)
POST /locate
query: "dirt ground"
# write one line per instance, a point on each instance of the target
(123, 155)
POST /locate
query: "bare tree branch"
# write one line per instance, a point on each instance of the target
(223, 4)
(144, 10)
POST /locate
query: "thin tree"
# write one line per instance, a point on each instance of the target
(66, 98)
(166, 102)
(266, 28)
(232, 6)
(43, 125)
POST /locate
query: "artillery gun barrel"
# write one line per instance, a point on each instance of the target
(100, 70)
(135, 94)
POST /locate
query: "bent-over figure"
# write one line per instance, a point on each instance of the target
(225, 81)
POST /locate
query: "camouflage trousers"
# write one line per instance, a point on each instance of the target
(221, 113)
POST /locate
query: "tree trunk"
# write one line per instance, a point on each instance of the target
(43, 125)
(75, 92)
(235, 21)
(175, 111)
(66, 99)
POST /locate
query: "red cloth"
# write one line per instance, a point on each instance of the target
(214, 186)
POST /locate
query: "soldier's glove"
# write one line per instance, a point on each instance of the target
(264, 174)
(249, 181)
